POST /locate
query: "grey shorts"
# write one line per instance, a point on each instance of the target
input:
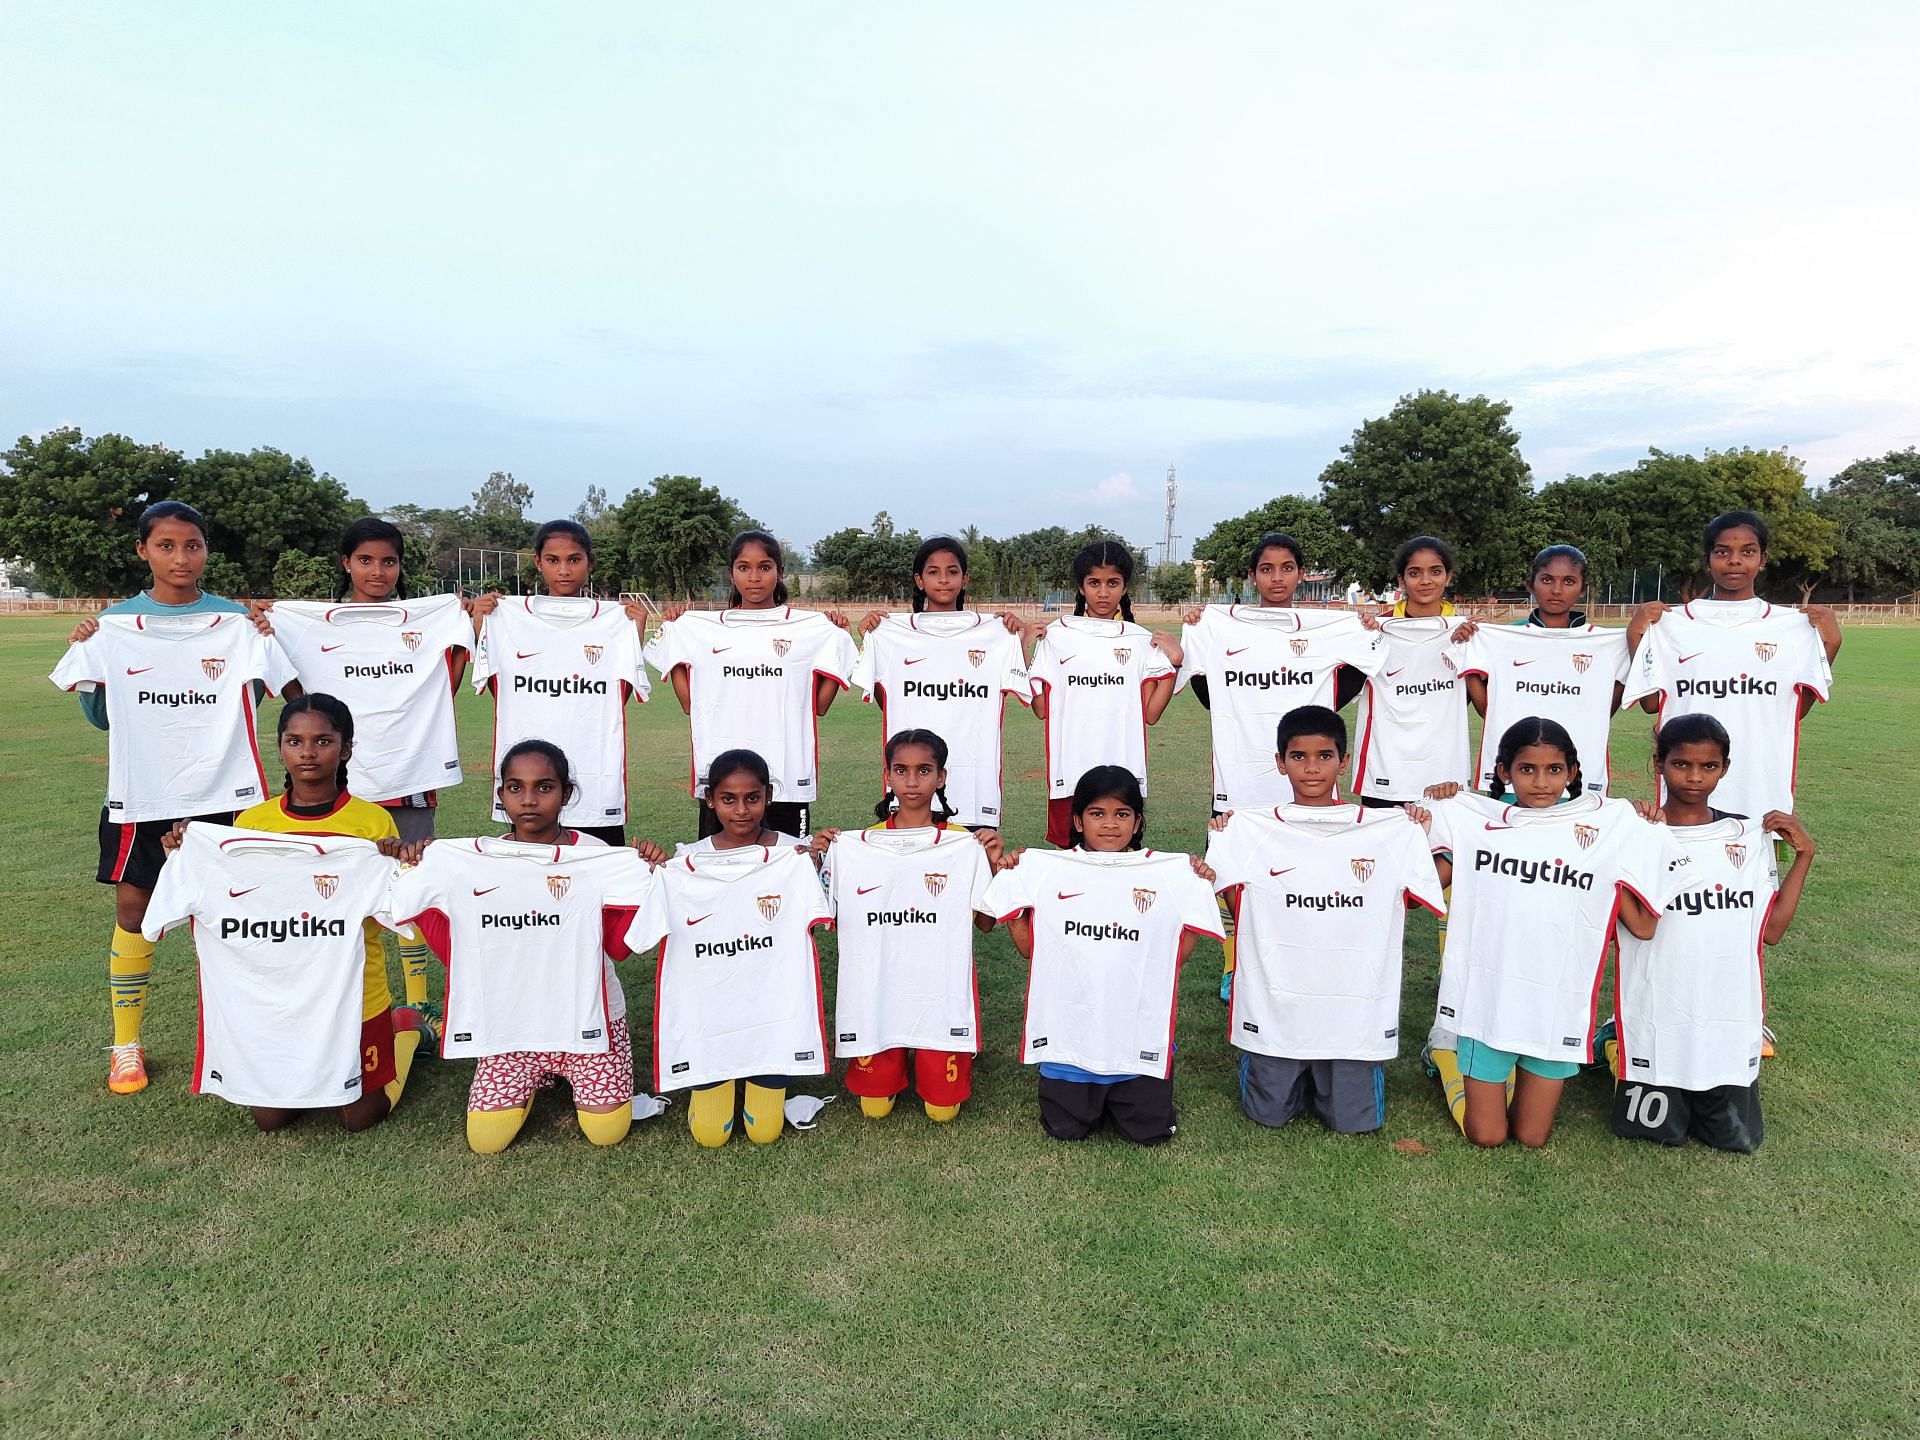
(414, 822)
(1348, 1095)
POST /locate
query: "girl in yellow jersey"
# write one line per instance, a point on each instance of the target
(316, 741)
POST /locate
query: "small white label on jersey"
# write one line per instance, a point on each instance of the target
(683, 1067)
(961, 1031)
(1151, 1056)
(244, 791)
(1447, 1010)
(988, 810)
(1383, 784)
(849, 1037)
(803, 1054)
(590, 1034)
(1391, 1034)
(611, 810)
(1642, 1064)
(1249, 1027)
(1037, 1043)
(1569, 1039)
(451, 765)
(353, 1084)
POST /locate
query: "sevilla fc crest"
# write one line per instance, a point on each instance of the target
(1581, 662)
(780, 648)
(1362, 868)
(410, 639)
(1143, 900)
(326, 885)
(1764, 649)
(557, 885)
(1122, 653)
(1585, 835)
(1299, 646)
(975, 657)
(935, 884)
(593, 653)
(769, 906)
(1737, 854)
(214, 668)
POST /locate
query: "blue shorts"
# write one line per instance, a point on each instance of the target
(1483, 1062)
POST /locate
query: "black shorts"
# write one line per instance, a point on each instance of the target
(131, 854)
(1376, 802)
(614, 835)
(1141, 1108)
(1726, 1117)
(786, 818)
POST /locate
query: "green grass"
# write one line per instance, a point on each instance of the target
(169, 1271)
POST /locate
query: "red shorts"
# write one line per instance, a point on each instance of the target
(1060, 824)
(940, 1077)
(508, 1082)
(376, 1053)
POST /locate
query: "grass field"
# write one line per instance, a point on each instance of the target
(169, 1271)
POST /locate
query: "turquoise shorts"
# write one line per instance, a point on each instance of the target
(1483, 1062)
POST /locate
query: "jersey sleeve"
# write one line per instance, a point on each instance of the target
(1197, 908)
(1196, 645)
(838, 656)
(1011, 891)
(1446, 820)
(1648, 669)
(1365, 650)
(84, 665)
(633, 662)
(490, 640)
(1153, 661)
(270, 661)
(1043, 675)
(1622, 656)
(978, 881)
(650, 925)
(819, 911)
(1014, 677)
(1654, 866)
(1469, 656)
(1419, 876)
(176, 897)
(1226, 853)
(1814, 672)
(865, 665)
(830, 874)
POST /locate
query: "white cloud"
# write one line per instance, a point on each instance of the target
(1116, 487)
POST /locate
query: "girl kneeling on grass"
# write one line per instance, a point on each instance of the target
(1538, 886)
(1685, 1044)
(1106, 926)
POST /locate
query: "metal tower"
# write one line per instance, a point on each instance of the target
(1169, 540)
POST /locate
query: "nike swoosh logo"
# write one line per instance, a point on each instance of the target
(1240, 651)
(1392, 673)
(525, 654)
(1518, 663)
(1063, 895)
(1288, 871)
(236, 894)
(1694, 656)
(866, 889)
(1492, 826)
(695, 920)
(488, 891)
(141, 671)
(329, 649)
(915, 661)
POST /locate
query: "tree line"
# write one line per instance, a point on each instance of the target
(1435, 464)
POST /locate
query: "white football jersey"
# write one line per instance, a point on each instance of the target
(561, 669)
(1320, 919)
(1562, 675)
(1260, 663)
(1094, 675)
(706, 846)
(1106, 953)
(1535, 895)
(750, 679)
(1692, 998)
(903, 904)
(393, 665)
(1744, 663)
(277, 921)
(525, 931)
(180, 737)
(950, 673)
(1412, 717)
(738, 992)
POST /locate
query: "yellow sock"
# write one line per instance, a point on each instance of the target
(405, 1043)
(1441, 961)
(765, 1113)
(876, 1107)
(1452, 1085)
(710, 1113)
(1226, 929)
(129, 968)
(413, 966)
(609, 1128)
(942, 1113)
(491, 1131)
(1610, 1052)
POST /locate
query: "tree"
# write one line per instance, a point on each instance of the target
(263, 503)
(1871, 552)
(1227, 548)
(300, 576)
(876, 561)
(1892, 482)
(592, 510)
(1436, 465)
(70, 506)
(496, 517)
(671, 538)
(1172, 582)
(1585, 512)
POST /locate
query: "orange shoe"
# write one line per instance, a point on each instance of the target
(1766, 1043)
(127, 1069)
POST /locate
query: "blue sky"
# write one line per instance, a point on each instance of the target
(991, 264)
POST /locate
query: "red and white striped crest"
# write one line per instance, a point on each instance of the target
(1143, 900)
(593, 653)
(1362, 868)
(1765, 649)
(780, 648)
(557, 885)
(1299, 646)
(410, 639)
(1585, 835)
(1737, 854)
(769, 906)
(935, 884)
(214, 668)
(1581, 662)
(326, 885)
(974, 657)
(1122, 653)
